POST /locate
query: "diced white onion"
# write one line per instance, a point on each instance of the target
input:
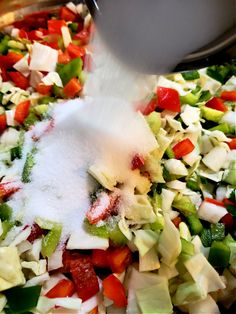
(211, 212)
(23, 66)
(35, 78)
(66, 36)
(71, 6)
(43, 58)
(176, 185)
(85, 241)
(215, 158)
(10, 115)
(176, 167)
(22, 236)
(55, 261)
(52, 78)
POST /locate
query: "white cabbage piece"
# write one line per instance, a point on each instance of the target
(38, 268)
(190, 114)
(43, 58)
(52, 78)
(176, 167)
(203, 273)
(211, 212)
(23, 66)
(169, 245)
(145, 240)
(167, 198)
(149, 261)
(208, 305)
(215, 159)
(10, 268)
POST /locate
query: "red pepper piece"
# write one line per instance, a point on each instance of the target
(119, 259)
(215, 202)
(3, 122)
(83, 36)
(33, 21)
(183, 148)
(104, 205)
(4, 74)
(232, 144)
(150, 107)
(67, 15)
(115, 291)
(168, 98)
(64, 288)
(22, 111)
(67, 257)
(228, 95)
(54, 26)
(8, 188)
(63, 58)
(36, 232)
(44, 89)
(75, 51)
(137, 162)
(23, 33)
(100, 259)
(217, 104)
(229, 221)
(10, 59)
(72, 88)
(176, 221)
(19, 80)
(84, 277)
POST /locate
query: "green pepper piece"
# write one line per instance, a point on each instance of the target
(166, 175)
(58, 91)
(219, 254)
(206, 237)
(69, 70)
(211, 114)
(193, 185)
(115, 235)
(205, 96)
(189, 99)
(16, 153)
(190, 75)
(5, 212)
(3, 44)
(30, 120)
(6, 226)
(184, 205)
(223, 127)
(217, 231)
(73, 27)
(50, 241)
(22, 299)
(154, 121)
(101, 231)
(195, 225)
(28, 166)
(46, 100)
(169, 153)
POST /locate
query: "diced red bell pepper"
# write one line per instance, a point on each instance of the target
(33, 21)
(115, 291)
(35, 35)
(64, 288)
(183, 148)
(54, 26)
(75, 51)
(10, 59)
(176, 221)
(229, 221)
(67, 15)
(19, 80)
(168, 98)
(43, 89)
(100, 259)
(22, 111)
(94, 311)
(72, 88)
(232, 143)
(102, 208)
(36, 232)
(83, 36)
(228, 95)
(63, 58)
(137, 162)
(67, 257)
(8, 188)
(4, 74)
(3, 122)
(213, 201)
(119, 259)
(84, 277)
(150, 107)
(23, 33)
(217, 104)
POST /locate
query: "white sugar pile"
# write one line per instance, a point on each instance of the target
(105, 132)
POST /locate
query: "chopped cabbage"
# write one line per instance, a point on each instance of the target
(176, 167)
(149, 261)
(145, 240)
(208, 305)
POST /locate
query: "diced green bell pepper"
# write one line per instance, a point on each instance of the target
(69, 70)
(28, 166)
(101, 231)
(223, 127)
(205, 96)
(41, 110)
(73, 26)
(211, 114)
(189, 99)
(193, 185)
(169, 153)
(22, 299)
(217, 231)
(154, 121)
(46, 100)
(206, 237)
(219, 254)
(184, 205)
(5, 212)
(6, 226)
(115, 235)
(190, 75)
(3, 44)
(30, 120)
(195, 225)
(16, 152)
(51, 240)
